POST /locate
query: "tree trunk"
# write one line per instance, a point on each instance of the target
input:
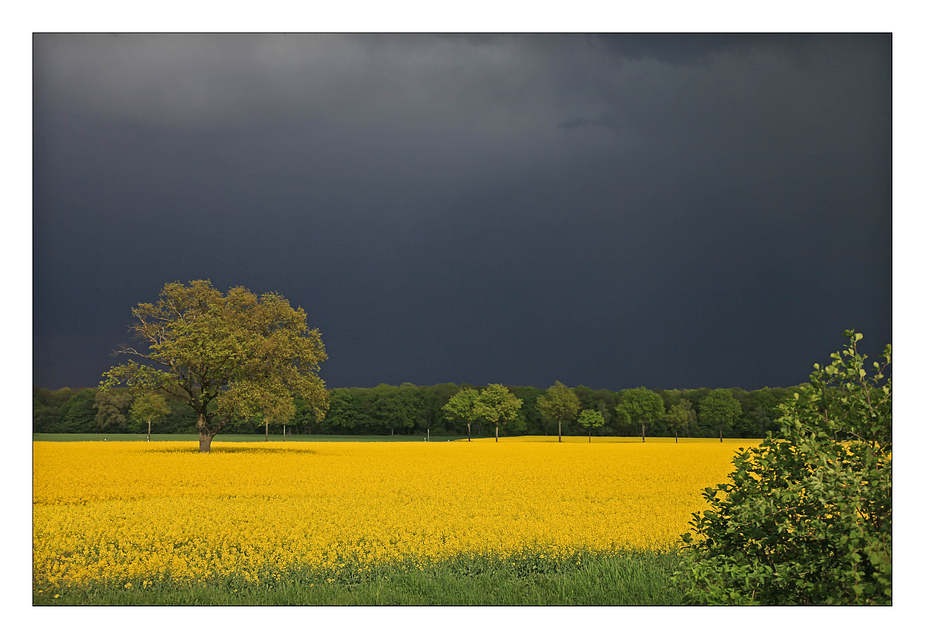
(720, 433)
(149, 430)
(560, 431)
(266, 424)
(469, 426)
(496, 432)
(205, 435)
(643, 432)
(589, 435)
(205, 441)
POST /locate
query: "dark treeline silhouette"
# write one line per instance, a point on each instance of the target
(403, 410)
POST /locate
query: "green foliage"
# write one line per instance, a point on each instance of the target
(463, 406)
(808, 516)
(559, 403)
(148, 408)
(720, 408)
(640, 406)
(497, 404)
(78, 413)
(424, 409)
(394, 408)
(112, 411)
(228, 357)
(680, 416)
(591, 420)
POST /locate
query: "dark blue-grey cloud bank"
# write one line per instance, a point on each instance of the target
(668, 211)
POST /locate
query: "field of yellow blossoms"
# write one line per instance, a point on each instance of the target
(135, 511)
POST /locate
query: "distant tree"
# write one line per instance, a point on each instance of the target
(219, 353)
(345, 413)
(268, 403)
(497, 404)
(112, 411)
(149, 407)
(464, 407)
(393, 407)
(720, 408)
(592, 420)
(640, 406)
(47, 409)
(761, 410)
(558, 403)
(78, 413)
(679, 416)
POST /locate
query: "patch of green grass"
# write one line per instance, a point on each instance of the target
(583, 579)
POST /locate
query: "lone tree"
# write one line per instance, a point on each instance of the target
(808, 516)
(720, 408)
(223, 355)
(640, 406)
(150, 407)
(463, 406)
(497, 404)
(558, 403)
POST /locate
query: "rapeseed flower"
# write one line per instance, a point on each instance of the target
(140, 511)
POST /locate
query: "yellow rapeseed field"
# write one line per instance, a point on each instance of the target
(136, 511)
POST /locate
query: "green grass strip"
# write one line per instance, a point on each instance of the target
(581, 579)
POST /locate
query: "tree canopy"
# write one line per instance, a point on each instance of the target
(640, 406)
(464, 406)
(591, 419)
(720, 408)
(497, 404)
(148, 408)
(226, 356)
(558, 403)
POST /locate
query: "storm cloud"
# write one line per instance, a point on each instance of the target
(608, 210)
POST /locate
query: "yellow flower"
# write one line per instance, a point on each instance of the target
(138, 511)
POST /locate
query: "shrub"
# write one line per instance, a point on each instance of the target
(808, 516)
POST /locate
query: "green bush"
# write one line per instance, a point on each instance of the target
(808, 516)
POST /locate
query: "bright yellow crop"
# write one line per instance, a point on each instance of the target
(137, 510)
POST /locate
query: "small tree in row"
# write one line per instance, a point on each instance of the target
(150, 407)
(720, 408)
(680, 416)
(463, 406)
(640, 406)
(592, 420)
(497, 405)
(558, 403)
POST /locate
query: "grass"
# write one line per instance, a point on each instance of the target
(583, 579)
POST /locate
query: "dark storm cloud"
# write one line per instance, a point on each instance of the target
(613, 210)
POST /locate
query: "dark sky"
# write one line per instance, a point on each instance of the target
(668, 211)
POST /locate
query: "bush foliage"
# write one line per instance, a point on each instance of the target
(808, 516)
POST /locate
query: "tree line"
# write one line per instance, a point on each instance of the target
(237, 362)
(415, 410)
